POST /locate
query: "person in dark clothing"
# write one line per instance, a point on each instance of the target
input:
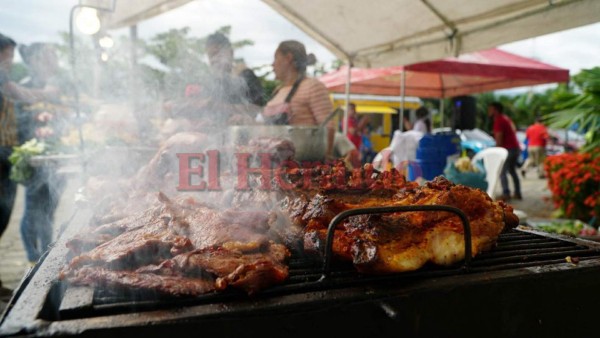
(220, 58)
(8, 134)
(44, 188)
(506, 137)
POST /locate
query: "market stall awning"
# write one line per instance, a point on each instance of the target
(467, 74)
(377, 103)
(398, 32)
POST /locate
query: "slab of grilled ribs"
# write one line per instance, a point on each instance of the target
(183, 247)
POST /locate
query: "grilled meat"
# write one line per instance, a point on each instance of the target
(184, 238)
(246, 244)
(250, 266)
(400, 242)
(137, 280)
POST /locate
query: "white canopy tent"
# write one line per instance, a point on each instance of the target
(382, 33)
(126, 13)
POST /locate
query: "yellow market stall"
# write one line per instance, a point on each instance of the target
(380, 110)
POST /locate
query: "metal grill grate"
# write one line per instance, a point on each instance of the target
(514, 250)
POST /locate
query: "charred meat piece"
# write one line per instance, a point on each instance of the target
(185, 239)
(134, 280)
(406, 241)
(248, 266)
(207, 227)
(97, 235)
(149, 244)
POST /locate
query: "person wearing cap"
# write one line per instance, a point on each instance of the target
(299, 99)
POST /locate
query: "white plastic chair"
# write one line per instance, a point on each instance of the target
(383, 159)
(493, 160)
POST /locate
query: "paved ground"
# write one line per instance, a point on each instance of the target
(14, 264)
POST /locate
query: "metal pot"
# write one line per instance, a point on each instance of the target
(310, 142)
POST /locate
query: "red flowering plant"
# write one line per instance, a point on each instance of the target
(574, 180)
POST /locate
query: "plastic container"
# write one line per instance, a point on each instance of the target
(433, 154)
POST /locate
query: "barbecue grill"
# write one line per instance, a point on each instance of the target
(531, 283)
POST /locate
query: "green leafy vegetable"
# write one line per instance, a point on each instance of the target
(21, 170)
(569, 228)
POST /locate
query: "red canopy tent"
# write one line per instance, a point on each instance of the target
(467, 74)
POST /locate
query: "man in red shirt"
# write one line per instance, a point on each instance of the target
(355, 125)
(354, 134)
(506, 137)
(537, 137)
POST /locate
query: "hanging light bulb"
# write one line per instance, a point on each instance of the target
(104, 56)
(87, 21)
(106, 42)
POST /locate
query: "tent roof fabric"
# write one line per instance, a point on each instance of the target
(130, 12)
(467, 74)
(383, 33)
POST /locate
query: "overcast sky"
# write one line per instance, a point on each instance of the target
(29, 21)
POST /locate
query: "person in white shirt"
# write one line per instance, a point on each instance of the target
(423, 123)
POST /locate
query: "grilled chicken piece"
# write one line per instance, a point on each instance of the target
(406, 241)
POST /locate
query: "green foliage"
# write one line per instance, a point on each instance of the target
(18, 72)
(180, 54)
(167, 62)
(582, 110)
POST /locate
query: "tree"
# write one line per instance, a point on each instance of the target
(182, 58)
(582, 109)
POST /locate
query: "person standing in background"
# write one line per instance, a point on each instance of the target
(10, 94)
(228, 94)
(43, 189)
(8, 133)
(506, 137)
(356, 128)
(406, 125)
(537, 138)
(423, 123)
(299, 99)
(220, 57)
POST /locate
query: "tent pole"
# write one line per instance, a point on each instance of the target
(442, 112)
(442, 100)
(347, 92)
(402, 87)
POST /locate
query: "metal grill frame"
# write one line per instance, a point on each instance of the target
(31, 311)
